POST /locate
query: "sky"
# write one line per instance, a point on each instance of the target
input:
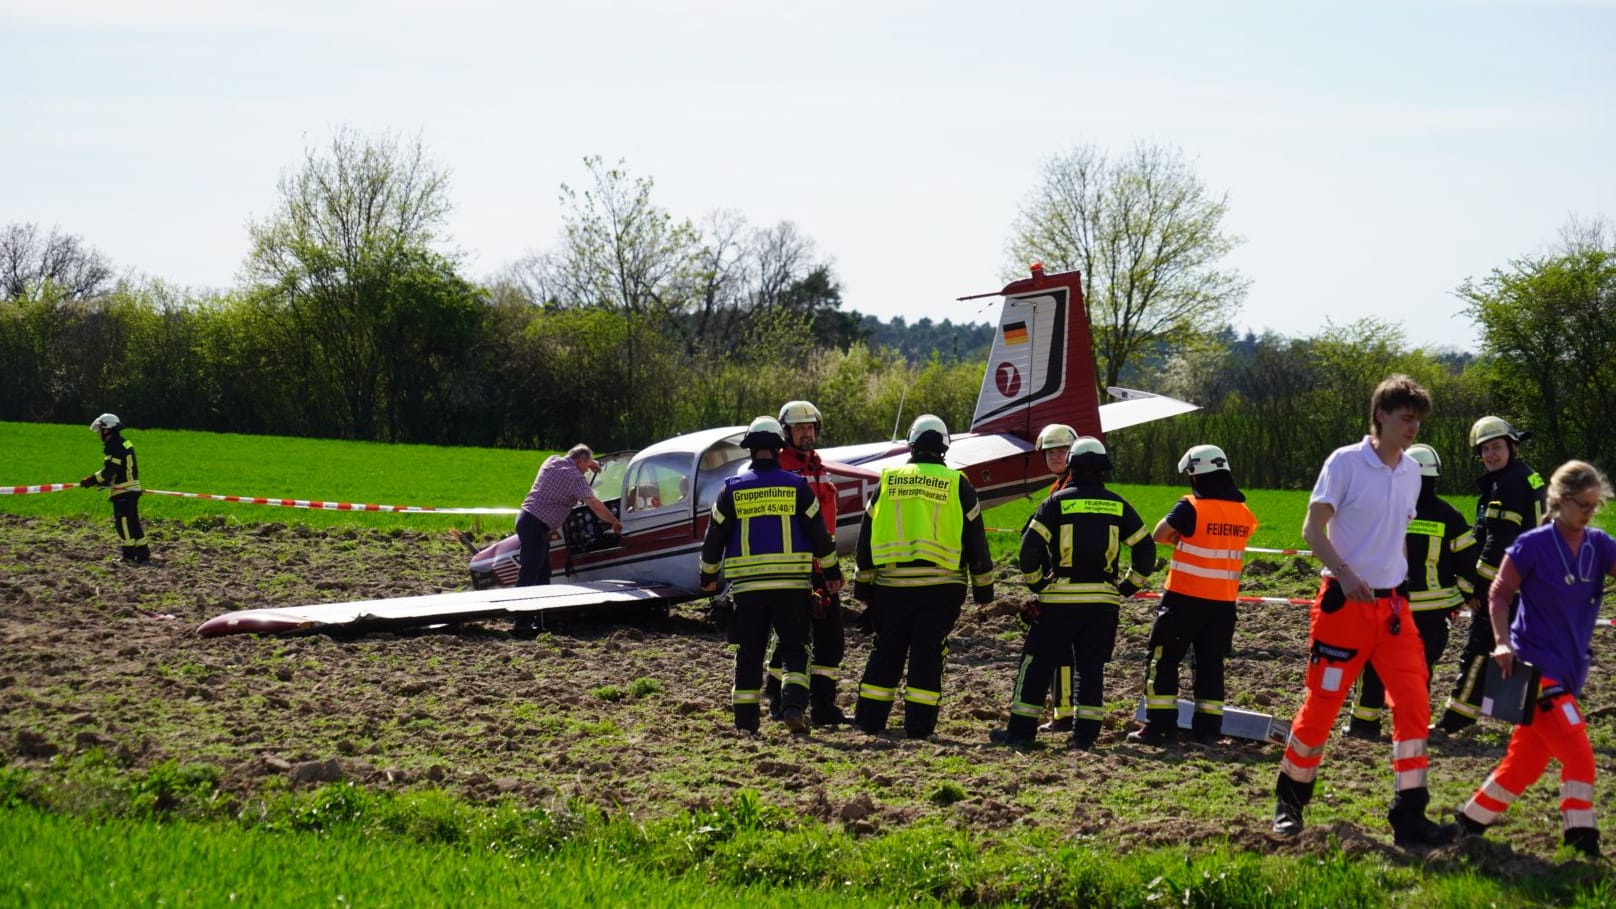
(1374, 155)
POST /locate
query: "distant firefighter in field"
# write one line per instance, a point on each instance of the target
(764, 535)
(120, 475)
(1071, 557)
(1208, 530)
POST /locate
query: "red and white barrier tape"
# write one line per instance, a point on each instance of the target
(282, 503)
(43, 487)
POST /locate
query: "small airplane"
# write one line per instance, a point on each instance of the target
(1040, 371)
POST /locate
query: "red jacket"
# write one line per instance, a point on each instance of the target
(809, 468)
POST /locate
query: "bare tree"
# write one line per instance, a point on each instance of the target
(1148, 238)
(57, 263)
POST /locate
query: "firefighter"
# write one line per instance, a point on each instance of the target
(1070, 556)
(1055, 441)
(764, 535)
(1441, 553)
(920, 543)
(1512, 500)
(120, 474)
(803, 426)
(1357, 518)
(1208, 530)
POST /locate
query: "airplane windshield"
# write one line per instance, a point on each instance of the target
(608, 484)
(724, 460)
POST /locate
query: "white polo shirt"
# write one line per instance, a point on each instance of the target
(1373, 504)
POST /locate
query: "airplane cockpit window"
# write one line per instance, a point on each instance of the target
(718, 463)
(662, 481)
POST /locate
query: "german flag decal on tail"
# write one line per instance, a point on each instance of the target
(1015, 333)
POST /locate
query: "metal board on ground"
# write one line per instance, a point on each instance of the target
(1237, 723)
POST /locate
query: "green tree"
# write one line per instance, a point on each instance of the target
(1548, 331)
(1148, 238)
(329, 267)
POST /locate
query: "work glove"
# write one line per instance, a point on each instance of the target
(983, 594)
(1030, 610)
(709, 582)
(1127, 589)
(820, 603)
(87, 482)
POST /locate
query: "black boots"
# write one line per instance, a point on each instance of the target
(1368, 730)
(1290, 798)
(1410, 826)
(822, 707)
(1583, 839)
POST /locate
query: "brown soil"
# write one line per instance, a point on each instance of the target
(101, 655)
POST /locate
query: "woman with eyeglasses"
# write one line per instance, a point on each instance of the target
(1559, 570)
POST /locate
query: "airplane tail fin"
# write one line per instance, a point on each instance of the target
(1041, 367)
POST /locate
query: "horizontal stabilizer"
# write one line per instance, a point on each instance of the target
(1134, 407)
(441, 608)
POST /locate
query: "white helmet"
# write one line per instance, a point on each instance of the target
(794, 412)
(1056, 435)
(1425, 456)
(1203, 459)
(1088, 455)
(107, 421)
(928, 433)
(1488, 428)
(764, 432)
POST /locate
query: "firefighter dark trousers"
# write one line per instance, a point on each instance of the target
(1558, 731)
(786, 613)
(1205, 626)
(1344, 635)
(1062, 631)
(126, 519)
(1464, 704)
(1432, 625)
(912, 628)
(824, 661)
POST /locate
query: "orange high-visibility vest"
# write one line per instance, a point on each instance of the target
(1207, 564)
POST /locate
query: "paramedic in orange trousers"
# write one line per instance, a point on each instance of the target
(1559, 572)
(1357, 516)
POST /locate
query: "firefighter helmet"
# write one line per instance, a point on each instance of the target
(1087, 455)
(1203, 459)
(107, 421)
(1425, 456)
(1488, 428)
(765, 432)
(928, 433)
(794, 412)
(1056, 435)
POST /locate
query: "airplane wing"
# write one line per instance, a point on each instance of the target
(433, 609)
(1133, 407)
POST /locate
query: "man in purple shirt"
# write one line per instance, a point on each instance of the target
(559, 485)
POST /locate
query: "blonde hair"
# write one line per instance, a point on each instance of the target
(1572, 478)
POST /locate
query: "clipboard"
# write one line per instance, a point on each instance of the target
(1511, 699)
